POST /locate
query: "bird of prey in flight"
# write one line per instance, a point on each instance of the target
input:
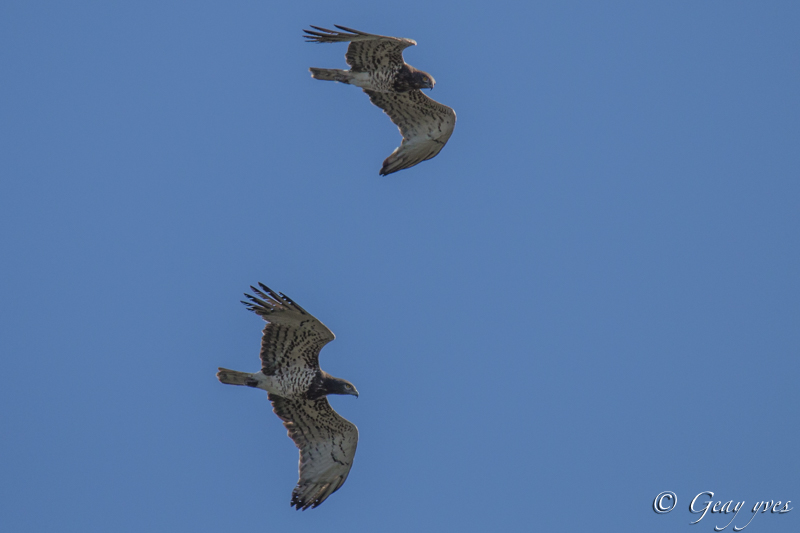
(377, 66)
(298, 389)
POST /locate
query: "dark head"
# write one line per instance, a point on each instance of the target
(423, 80)
(339, 386)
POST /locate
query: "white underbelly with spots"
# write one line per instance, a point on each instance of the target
(289, 385)
(381, 80)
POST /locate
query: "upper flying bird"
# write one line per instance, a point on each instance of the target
(298, 389)
(377, 67)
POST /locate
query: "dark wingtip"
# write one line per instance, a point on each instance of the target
(345, 28)
(264, 287)
(299, 505)
(318, 36)
(385, 172)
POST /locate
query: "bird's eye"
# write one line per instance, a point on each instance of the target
(347, 387)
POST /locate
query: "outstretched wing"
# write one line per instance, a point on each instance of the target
(425, 124)
(292, 336)
(366, 52)
(327, 444)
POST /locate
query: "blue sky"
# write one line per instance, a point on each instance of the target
(589, 297)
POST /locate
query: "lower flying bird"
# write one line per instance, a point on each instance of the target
(377, 66)
(298, 389)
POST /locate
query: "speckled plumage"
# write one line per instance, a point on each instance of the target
(425, 125)
(377, 66)
(298, 389)
(327, 445)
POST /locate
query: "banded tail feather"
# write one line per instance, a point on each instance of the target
(234, 377)
(330, 74)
